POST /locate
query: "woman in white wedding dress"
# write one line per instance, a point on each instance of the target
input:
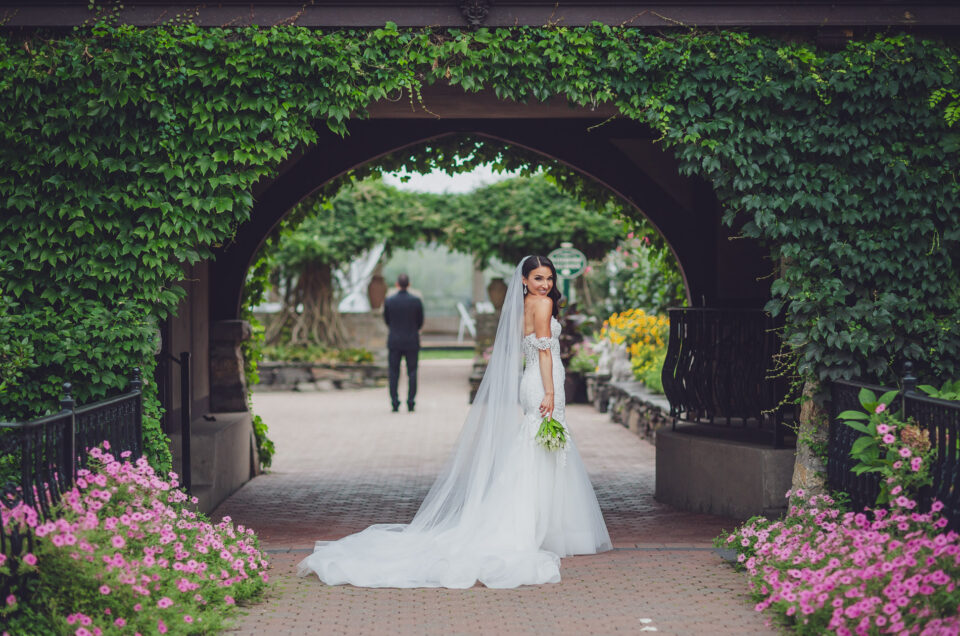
(504, 509)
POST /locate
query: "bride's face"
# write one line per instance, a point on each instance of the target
(539, 281)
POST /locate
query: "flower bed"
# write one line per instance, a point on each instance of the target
(123, 553)
(645, 338)
(886, 570)
(874, 572)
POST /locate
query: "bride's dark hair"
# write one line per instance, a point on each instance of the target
(532, 263)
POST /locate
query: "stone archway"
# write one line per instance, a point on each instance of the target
(620, 155)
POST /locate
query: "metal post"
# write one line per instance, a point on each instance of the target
(185, 417)
(909, 383)
(67, 404)
(136, 436)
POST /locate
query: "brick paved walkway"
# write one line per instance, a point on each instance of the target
(345, 461)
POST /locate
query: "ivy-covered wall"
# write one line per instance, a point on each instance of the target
(127, 152)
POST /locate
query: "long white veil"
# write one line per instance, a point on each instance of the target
(502, 511)
(490, 429)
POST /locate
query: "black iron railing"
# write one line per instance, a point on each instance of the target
(164, 361)
(717, 370)
(40, 458)
(941, 418)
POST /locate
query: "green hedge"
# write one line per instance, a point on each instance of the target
(127, 152)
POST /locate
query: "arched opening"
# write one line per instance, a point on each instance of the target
(621, 156)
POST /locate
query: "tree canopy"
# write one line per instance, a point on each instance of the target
(505, 220)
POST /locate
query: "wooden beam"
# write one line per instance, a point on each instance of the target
(503, 13)
(451, 102)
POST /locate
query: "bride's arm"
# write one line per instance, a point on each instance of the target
(542, 310)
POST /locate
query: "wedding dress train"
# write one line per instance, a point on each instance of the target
(504, 510)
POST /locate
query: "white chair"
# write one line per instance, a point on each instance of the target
(466, 322)
(484, 307)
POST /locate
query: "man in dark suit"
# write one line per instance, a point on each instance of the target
(403, 313)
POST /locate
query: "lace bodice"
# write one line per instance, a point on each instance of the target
(531, 386)
(532, 345)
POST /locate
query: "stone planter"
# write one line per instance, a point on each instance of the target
(597, 392)
(377, 291)
(637, 408)
(497, 292)
(476, 375)
(311, 376)
(575, 388)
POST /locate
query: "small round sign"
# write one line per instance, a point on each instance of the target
(569, 261)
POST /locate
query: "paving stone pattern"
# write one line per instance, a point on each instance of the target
(344, 461)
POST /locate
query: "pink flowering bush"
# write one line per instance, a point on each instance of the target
(822, 570)
(124, 554)
(900, 452)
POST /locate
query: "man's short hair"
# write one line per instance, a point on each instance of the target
(403, 281)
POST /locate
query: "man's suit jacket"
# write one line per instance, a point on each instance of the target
(403, 313)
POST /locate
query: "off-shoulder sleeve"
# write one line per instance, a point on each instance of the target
(541, 343)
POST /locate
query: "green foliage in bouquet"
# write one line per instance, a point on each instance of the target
(551, 435)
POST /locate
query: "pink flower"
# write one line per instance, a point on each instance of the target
(120, 622)
(905, 452)
(104, 589)
(117, 541)
(888, 439)
(915, 464)
(897, 465)
(29, 559)
(164, 602)
(187, 618)
(883, 429)
(880, 408)
(936, 506)
(161, 626)
(229, 599)
(11, 600)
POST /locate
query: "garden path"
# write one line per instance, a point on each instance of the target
(344, 461)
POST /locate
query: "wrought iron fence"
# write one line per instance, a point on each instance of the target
(941, 418)
(39, 459)
(717, 370)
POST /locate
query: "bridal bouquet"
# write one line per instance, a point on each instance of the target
(552, 435)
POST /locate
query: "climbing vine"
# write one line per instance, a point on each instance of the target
(127, 152)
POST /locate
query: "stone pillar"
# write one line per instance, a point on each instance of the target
(228, 384)
(479, 291)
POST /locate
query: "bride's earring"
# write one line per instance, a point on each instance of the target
(525, 290)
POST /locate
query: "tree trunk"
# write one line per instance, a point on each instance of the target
(809, 469)
(309, 310)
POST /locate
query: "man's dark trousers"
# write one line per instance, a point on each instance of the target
(403, 313)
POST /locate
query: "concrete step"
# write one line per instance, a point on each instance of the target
(223, 456)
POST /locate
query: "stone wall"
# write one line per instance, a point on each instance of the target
(630, 404)
(308, 376)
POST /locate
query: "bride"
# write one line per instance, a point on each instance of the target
(504, 509)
